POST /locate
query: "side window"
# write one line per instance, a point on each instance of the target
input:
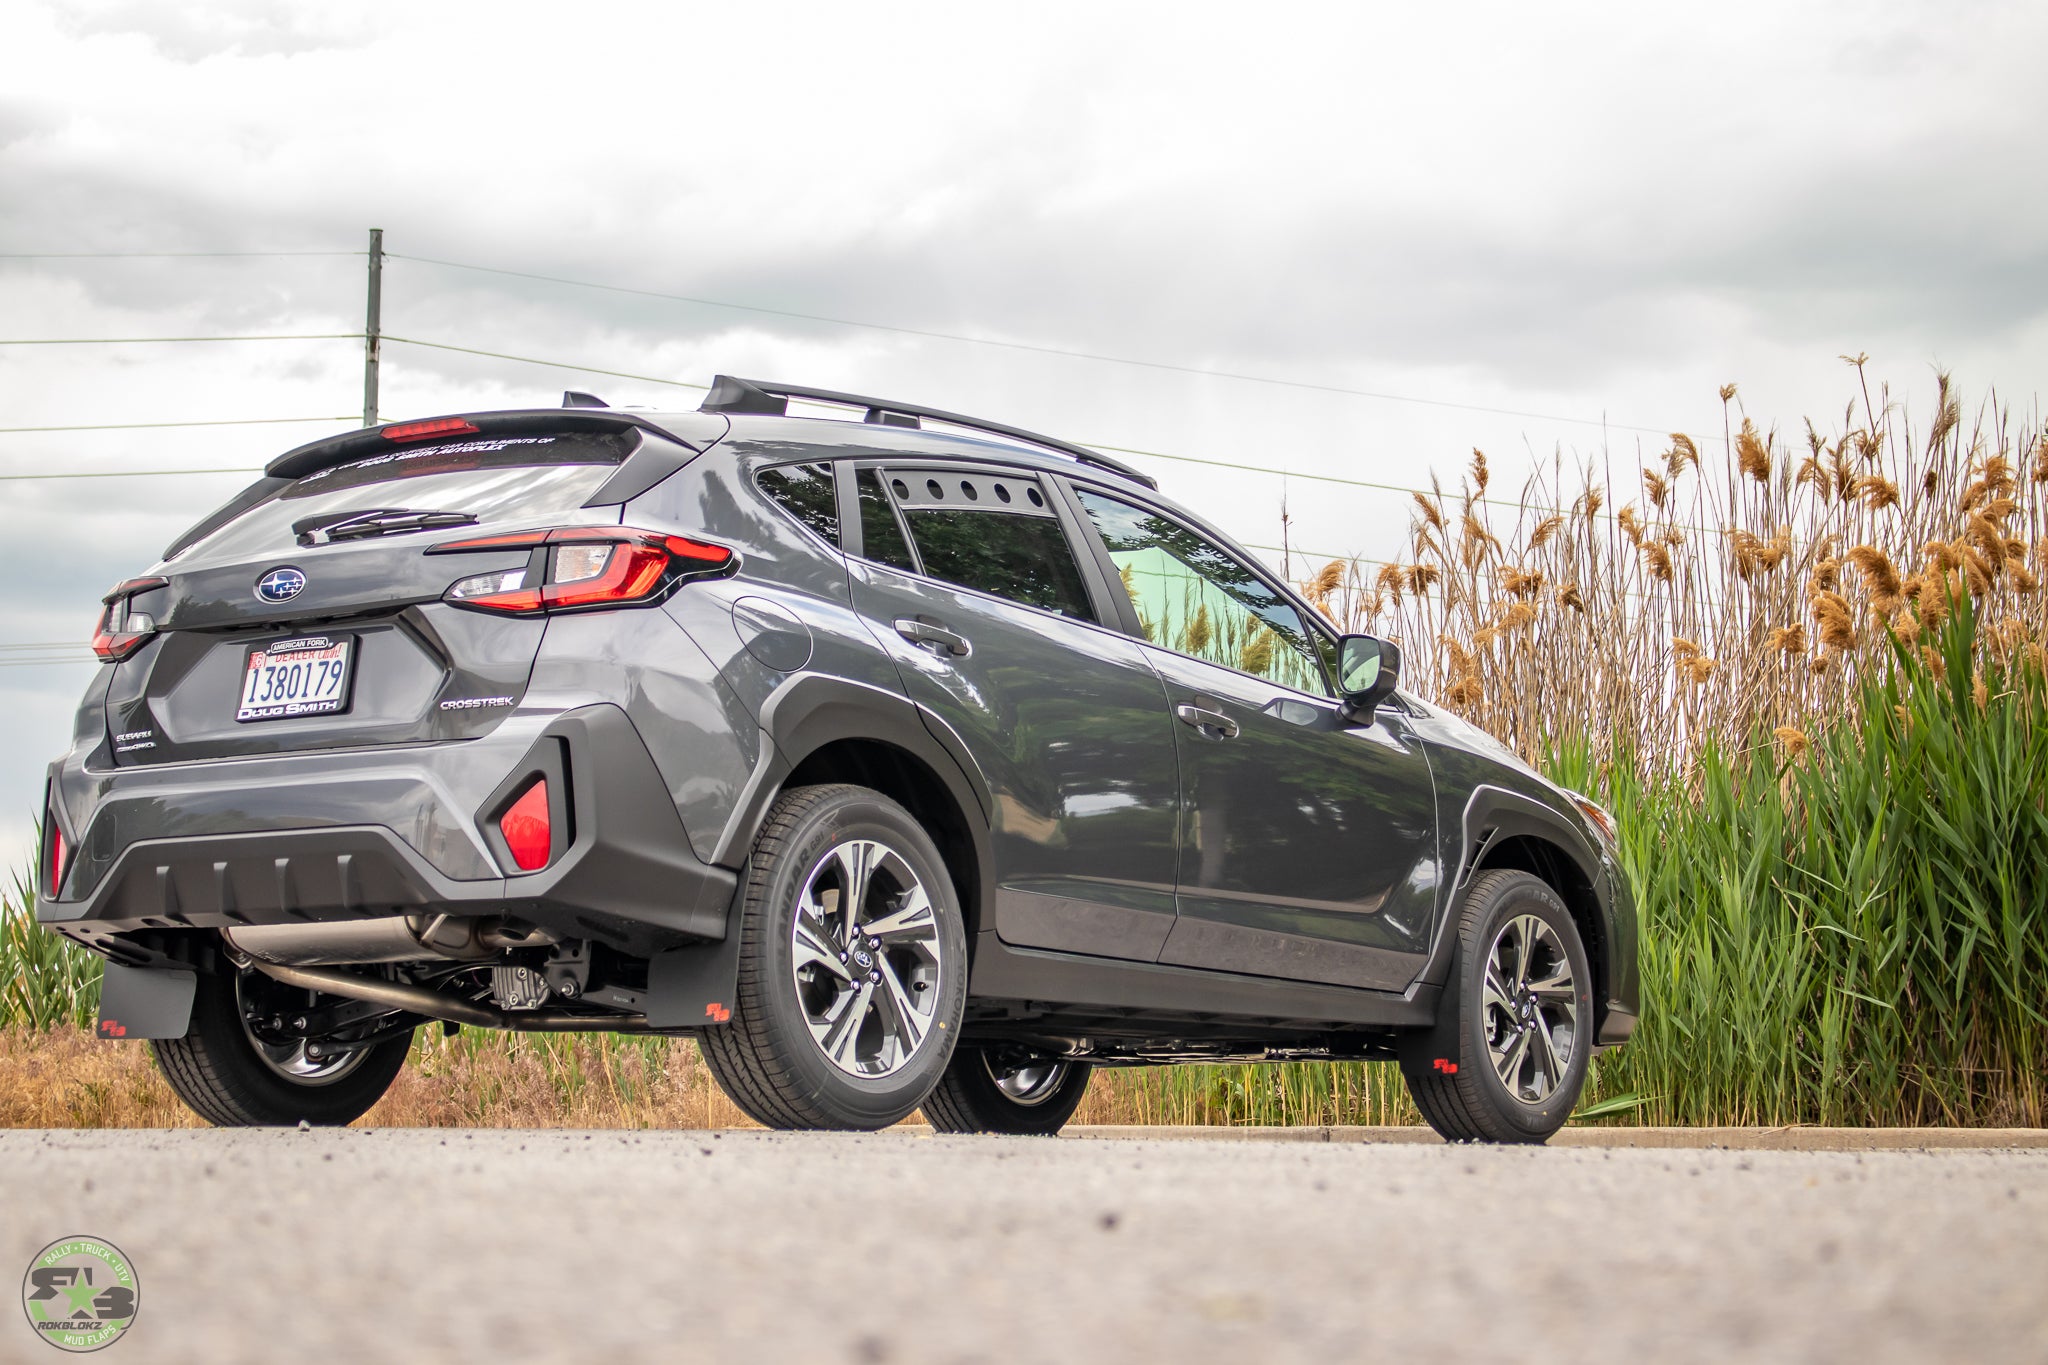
(805, 491)
(881, 538)
(1195, 599)
(996, 535)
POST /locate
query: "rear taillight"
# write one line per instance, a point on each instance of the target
(527, 830)
(121, 632)
(53, 856)
(583, 568)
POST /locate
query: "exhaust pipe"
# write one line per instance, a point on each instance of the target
(388, 938)
(432, 1003)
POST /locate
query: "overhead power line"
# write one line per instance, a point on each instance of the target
(1038, 349)
(126, 474)
(227, 422)
(145, 341)
(1121, 450)
(551, 364)
(1367, 484)
(929, 333)
(154, 255)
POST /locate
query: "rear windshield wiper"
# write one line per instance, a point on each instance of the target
(377, 521)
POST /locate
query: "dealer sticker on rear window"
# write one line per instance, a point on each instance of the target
(308, 676)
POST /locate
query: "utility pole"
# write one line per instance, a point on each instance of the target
(373, 327)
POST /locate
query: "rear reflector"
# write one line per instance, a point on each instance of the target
(53, 857)
(526, 828)
(422, 431)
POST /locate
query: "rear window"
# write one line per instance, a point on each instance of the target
(494, 479)
(463, 457)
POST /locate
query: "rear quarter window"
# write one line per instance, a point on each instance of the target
(807, 493)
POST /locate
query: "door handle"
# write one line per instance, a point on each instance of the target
(1205, 720)
(938, 638)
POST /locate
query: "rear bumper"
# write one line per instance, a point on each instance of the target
(337, 835)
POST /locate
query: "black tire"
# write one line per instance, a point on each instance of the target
(986, 1091)
(227, 1078)
(1471, 1101)
(767, 1058)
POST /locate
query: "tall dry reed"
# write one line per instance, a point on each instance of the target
(1700, 597)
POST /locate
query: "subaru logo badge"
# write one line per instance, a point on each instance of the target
(281, 584)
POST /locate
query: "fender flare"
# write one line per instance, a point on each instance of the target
(694, 987)
(810, 710)
(1493, 814)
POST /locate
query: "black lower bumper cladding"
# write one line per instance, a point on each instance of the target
(623, 871)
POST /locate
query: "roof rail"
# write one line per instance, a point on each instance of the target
(730, 395)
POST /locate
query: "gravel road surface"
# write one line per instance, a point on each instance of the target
(435, 1245)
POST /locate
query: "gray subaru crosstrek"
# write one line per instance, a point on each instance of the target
(908, 760)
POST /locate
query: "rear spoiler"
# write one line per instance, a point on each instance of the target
(660, 450)
(315, 456)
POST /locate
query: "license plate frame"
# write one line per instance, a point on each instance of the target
(289, 697)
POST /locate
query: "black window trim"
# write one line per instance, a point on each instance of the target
(1311, 619)
(1080, 534)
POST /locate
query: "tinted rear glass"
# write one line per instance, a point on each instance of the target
(881, 539)
(494, 479)
(466, 456)
(807, 491)
(1023, 558)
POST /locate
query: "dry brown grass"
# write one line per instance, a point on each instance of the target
(1697, 599)
(507, 1080)
(64, 1077)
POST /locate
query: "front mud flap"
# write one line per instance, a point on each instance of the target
(1439, 1047)
(137, 1002)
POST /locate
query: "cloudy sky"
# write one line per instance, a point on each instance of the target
(1382, 235)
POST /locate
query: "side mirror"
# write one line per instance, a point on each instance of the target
(1368, 671)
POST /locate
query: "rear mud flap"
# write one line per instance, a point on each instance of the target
(138, 1002)
(693, 987)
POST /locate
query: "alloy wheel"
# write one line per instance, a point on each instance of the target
(867, 958)
(1027, 1082)
(263, 1020)
(1531, 1008)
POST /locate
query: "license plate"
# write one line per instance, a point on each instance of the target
(307, 676)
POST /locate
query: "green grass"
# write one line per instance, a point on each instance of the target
(1857, 934)
(45, 980)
